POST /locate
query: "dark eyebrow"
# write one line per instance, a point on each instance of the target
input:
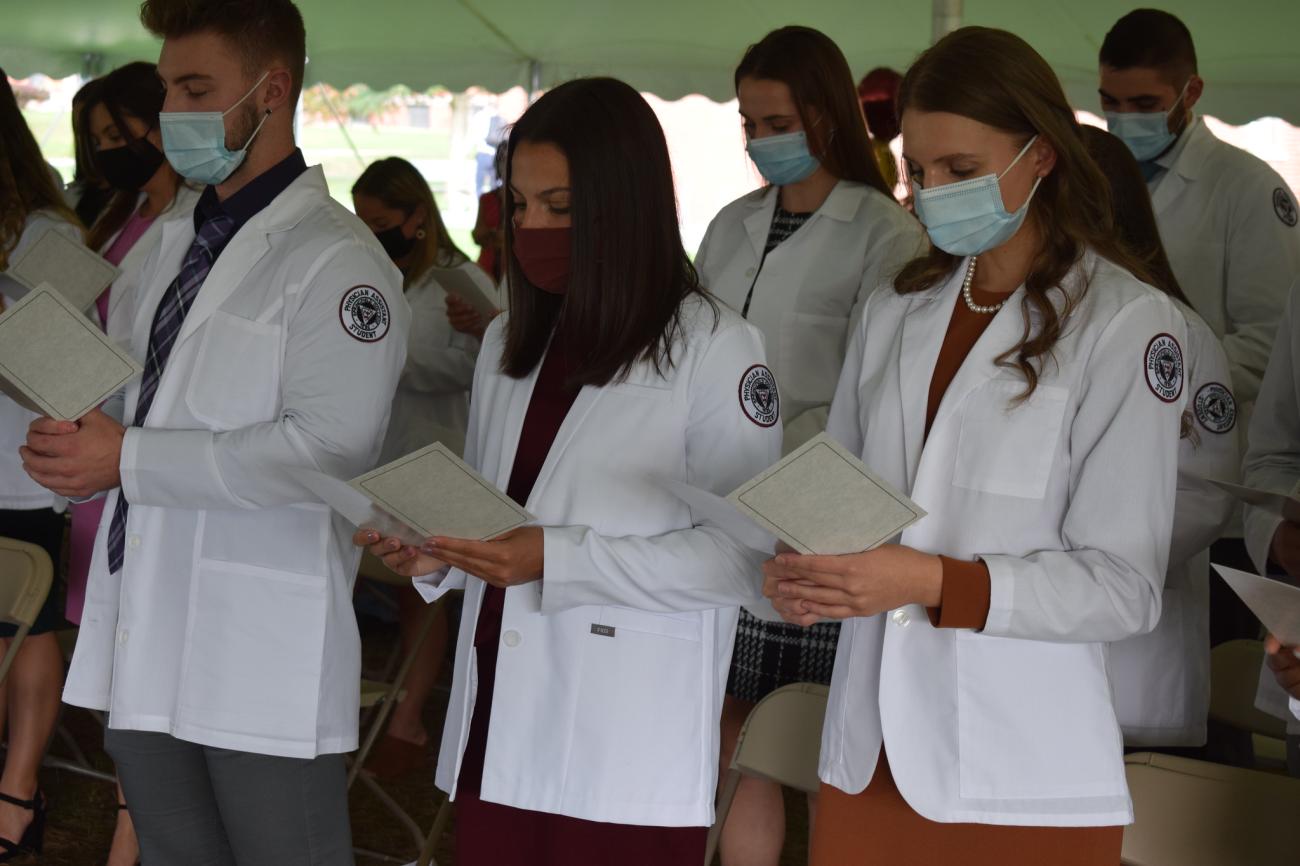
(192, 76)
(555, 190)
(948, 158)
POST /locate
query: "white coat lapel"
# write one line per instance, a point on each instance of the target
(177, 235)
(759, 222)
(924, 327)
(981, 364)
(239, 257)
(578, 412)
(517, 400)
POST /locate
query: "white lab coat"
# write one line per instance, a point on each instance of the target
(230, 623)
(1230, 245)
(432, 399)
(1272, 464)
(1067, 498)
(121, 303)
(621, 729)
(1161, 679)
(17, 490)
(810, 289)
(1274, 442)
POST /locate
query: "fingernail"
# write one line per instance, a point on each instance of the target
(430, 548)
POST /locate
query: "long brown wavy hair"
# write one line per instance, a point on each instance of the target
(813, 67)
(997, 79)
(399, 185)
(26, 184)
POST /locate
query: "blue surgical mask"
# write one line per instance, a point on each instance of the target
(1145, 132)
(195, 142)
(783, 159)
(968, 217)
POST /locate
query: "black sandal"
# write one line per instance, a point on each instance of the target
(33, 840)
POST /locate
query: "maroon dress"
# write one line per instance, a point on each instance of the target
(490, 834)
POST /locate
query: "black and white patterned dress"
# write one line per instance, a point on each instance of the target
(769, 655)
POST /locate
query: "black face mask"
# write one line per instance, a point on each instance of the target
(397, 245)
(129, 167)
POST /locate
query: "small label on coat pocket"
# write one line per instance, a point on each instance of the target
(602, 630)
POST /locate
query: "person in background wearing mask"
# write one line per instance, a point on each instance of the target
(89, 192)
(431, 403)
(120, 120)
(583, 720)
(1161, 679)
(1005, 381)
(878, 93)
(30, 206)
(218, 630)
(1228, 222)
(798, 259)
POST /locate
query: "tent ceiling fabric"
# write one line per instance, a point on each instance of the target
(1248, 51)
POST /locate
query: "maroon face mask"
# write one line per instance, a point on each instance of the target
(544, 255)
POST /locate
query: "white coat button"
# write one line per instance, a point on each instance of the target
(122, 635)
(511, 638)
(901, 618)
(133, 542)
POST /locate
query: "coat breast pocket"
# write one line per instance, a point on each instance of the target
(1005, 448)
(236, 380)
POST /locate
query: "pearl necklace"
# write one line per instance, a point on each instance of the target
(966, 295)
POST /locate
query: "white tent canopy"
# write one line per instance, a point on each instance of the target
(1249, 50)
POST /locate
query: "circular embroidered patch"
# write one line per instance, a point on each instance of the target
(1164, 367)
(364, 314)
(758, 396)
(1215, 408)
(1284, 207)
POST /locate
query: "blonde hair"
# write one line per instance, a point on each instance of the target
(399, 185)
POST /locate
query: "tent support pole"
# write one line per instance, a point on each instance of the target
(534, 79)
(343, 127)
(946, 18)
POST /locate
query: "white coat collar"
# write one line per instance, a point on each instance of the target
(1189, 156)
(842, 205)
(182, 205)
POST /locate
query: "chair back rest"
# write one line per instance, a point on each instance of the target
(25, 576)
(1193, 813)
(781, 740)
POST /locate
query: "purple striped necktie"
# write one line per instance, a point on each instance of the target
(167, 321)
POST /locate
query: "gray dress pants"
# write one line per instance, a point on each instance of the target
(195, 805)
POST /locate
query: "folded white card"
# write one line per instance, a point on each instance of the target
(456, 282)
(55, 361)
(821, 499)
(1284, 506)
(434, 492)
(76, 272)
(1277, 604)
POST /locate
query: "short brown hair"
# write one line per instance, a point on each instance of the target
(264, 30)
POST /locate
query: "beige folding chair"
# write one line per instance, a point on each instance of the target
(380, 698)
(1234, 678)
(1193, 813)
(26, 573)
(781, 742)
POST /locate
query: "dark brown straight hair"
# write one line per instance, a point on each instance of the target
(810, 63)
(26, 184)
(629, 270)
(997, 79)
(133, 90)
(1135, 220)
